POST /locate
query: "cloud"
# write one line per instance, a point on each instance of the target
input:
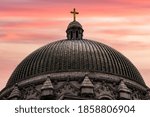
(97, 7)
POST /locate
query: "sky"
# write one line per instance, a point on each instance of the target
(26, 25)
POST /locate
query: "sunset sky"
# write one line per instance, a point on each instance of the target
(26, 25)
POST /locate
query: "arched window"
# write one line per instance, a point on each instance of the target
(71, 34)
(77, 35)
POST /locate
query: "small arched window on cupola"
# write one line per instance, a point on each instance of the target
(71, 34)
(77, 35)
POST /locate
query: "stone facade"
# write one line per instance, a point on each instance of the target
(92, 86)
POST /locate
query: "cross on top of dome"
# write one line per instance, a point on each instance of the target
(74, 30)
(74, 12)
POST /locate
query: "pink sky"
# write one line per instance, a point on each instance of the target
(26, 25)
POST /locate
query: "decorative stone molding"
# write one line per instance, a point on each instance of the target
(31, 93)
(104, 91)
(65, 85)
(147, 97)
(67, 88)
(15, 94)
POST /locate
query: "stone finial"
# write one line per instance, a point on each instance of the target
(123, 87)
(124, 91)
(87, 82)
(87, 88)
(47, 84)
(47, 88)
(147, 97)
(148, 91)
(15, 94)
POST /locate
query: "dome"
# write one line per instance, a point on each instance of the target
(74, 24)
(75, 68)
(72, 56)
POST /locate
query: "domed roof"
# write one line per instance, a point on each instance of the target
(74, 24)
(72, 56)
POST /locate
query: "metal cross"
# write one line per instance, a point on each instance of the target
(74, 12)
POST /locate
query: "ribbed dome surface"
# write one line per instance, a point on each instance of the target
(75, 55)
